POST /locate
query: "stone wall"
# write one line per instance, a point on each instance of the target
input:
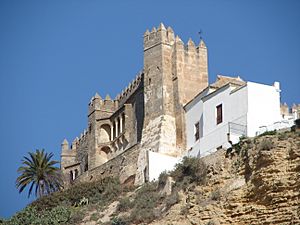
(124, 165)
(151, 105)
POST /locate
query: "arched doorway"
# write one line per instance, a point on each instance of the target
(104, 155)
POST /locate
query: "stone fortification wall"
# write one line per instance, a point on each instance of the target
(151, 106)
(130, 89)
(174, 73)
(123, 165)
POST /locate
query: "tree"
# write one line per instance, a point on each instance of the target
(39, 172)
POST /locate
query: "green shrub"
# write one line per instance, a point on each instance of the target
(282, 136)
(144, 205)
(162, 180)
(103, 191)
(237, 147)
(190, 170)
(266, 144)
(118, 221)
(215, 195)
(172, 199)
(94, 216)
(29, 215)
(272, 132)
(125, 204)
(77, 216)
(243, 137)
(26, 216)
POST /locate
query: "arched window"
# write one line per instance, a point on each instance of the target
(71, 175)
(104, 133)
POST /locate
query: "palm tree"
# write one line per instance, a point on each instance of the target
(39, 172)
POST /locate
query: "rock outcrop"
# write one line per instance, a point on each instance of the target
(257, 183)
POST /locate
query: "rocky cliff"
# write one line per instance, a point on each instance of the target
(257, 182)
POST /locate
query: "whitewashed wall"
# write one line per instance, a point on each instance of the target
(234, 109)
(251, 106)
(213, 135)
(192, 116)
(263, 106)
(159, 163)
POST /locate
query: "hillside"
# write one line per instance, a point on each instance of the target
(257, 182)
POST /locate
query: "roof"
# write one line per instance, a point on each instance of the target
(223, 80)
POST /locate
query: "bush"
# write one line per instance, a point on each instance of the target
(77, 216)
(216, 195)
(125, 204)
(172, 199)
(29, 215)
(190, 170)
(282, 136)
(162, 180)
(103, 191)
(145, 203)
(266, 144)
(94, 216)
(272, 132)
(118, 221)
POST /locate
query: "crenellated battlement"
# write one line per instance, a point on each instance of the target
(157, 36)
(98, 104)
(147, 113)
(131, 88)
(166, 36)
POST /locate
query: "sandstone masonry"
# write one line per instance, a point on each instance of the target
(147, 116)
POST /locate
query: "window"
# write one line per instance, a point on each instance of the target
(71, 176)
(86, 163)
(197, 128)
(219, 114)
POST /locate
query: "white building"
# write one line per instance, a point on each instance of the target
(228, 109)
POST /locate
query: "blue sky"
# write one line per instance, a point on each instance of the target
(54, 56)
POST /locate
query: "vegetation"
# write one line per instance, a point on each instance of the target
(125, 204)
(39, 172)
(145, 203)
(29, 215)
(143, 206)
(149, 202)
(266, 144)
(190, 170)
(216, 195)
(59, 207)
(100, 192)
(272, 132)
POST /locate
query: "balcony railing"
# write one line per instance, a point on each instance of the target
(239, 129)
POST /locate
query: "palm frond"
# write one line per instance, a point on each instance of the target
(39, 171)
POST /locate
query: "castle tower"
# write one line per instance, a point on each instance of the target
(68, 157)
(100, 111)
(173, 75)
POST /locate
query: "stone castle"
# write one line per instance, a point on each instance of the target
(147, 116)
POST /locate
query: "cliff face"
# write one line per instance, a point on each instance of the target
(258, 182)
